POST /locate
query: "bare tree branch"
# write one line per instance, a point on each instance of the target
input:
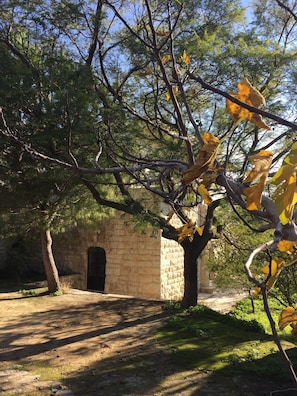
(274, 117)
(285, 7)
(94, 41)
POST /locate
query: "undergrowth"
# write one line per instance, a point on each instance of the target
(232, 343)
(246, 311)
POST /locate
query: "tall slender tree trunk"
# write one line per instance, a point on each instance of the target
(51, 271)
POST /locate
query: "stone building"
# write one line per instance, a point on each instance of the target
(118, 260)
(114, 259)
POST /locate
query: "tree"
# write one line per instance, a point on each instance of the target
(160, 78)
(36, 199)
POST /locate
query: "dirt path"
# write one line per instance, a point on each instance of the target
(222, 301)
(70, 334)
(92, 344)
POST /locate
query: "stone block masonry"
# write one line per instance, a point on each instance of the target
(172, 270)
(116, 260)
(137, 264)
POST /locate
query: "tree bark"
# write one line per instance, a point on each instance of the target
(51, 271)
(192, 251)
(190, 277)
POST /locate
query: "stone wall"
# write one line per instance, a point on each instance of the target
(71, 252)
(137, 264)
(132, 259)
(172, 270)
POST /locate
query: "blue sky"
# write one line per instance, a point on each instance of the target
(247, 3)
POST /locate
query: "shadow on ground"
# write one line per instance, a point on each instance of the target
(101, 345)
(10, 285)
(154, 370)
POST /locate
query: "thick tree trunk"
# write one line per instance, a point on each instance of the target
(192, 250)
(51, 271)
(190, 278)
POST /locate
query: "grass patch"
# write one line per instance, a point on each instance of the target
(205, 339)
(43, 369)
(243, 311)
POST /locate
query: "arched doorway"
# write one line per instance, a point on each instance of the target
(96, 268)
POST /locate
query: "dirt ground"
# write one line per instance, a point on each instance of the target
(91, 344)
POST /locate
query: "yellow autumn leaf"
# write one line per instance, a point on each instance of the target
(285, 195)
(256, 119)
(199, 230)
(253, 195)
(251, 96)
(162, 32)
(146, 72)
(286, 198)
(272, 270)
(262, 162)
(289, 160)
(205, 159)
(203, 192)
(287, 246)
(186, 58)
(256, 292)
(168, 94)
(274, 267)
(188, 230)
(288, 167)
(210, 176)
(165, 58)
(288, 317)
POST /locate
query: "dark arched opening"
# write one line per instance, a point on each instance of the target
(96, 268)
